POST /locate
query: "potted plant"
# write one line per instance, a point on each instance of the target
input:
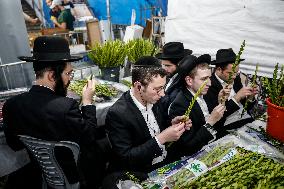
(109, 57)
(275, 103)
(137, 48)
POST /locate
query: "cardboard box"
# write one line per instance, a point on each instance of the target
(93, 32)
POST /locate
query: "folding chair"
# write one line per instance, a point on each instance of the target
(43, 152)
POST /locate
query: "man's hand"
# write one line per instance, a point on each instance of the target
(224, 93)
(243, 93)
(184, 119)
(88, 92)
(216, 114)
(171, 133)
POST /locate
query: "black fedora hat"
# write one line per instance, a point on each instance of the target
(189, 62)
(173, 50)
(50, 49)
(224, 56)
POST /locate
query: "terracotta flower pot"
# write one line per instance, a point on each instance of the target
(275, 120)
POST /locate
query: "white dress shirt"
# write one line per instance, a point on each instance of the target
(152, 125)
(171, 81)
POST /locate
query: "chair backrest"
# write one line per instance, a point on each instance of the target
(43, 152)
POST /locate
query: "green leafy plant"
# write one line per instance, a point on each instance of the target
(102, 90)
(234, 71)
(127, 83)
(237, 62)
(253, 84)
(109, 54)
(137, 48)
(193, 100)
(275, 86)
(132, 177)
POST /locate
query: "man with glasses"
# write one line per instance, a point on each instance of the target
(46, 113)
(136, 129)
(235, 93)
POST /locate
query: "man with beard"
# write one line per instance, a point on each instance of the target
(236, 92)
(46, 113)
(197, 71)
(171, 56)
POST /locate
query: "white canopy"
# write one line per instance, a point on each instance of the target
(205, 26)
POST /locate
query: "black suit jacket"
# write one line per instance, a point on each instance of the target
(211, 99)
(42, 114)
(133, 146)
(193, 140)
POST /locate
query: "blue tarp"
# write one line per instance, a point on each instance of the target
(120, 10)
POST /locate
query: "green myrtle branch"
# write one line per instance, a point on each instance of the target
(253, 84)
(192, 102)
(235, 64)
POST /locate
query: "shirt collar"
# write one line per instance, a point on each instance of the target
(138, 104)
(193, 93)
(220, 80)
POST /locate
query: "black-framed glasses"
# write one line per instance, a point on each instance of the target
(159, 89)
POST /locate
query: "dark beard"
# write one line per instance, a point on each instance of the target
(59, 88)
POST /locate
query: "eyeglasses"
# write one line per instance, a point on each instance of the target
(70, 74)
(158, 90)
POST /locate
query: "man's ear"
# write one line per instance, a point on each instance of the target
(188, 80)
(50, 76)
(137, 85)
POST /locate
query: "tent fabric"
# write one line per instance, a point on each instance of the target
(120, 11)
(206, 26)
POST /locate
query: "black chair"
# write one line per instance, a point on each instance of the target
(43, 152)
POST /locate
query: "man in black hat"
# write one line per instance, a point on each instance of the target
(45, 112)
(235, 93)
(171, 56)
(196, 72)
(135, 126)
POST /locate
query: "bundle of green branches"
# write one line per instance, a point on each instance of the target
(102, 90)
(197, 94)
(137, 48)
(275, 86)
(192, 102)
(235, 64)
(252, 84)
(108, 55)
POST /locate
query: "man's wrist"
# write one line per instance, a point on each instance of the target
(161, 139)
(208, 125)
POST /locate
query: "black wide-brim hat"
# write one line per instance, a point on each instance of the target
(173, 50)
(225, 56)
(190, 62)
(50, 49)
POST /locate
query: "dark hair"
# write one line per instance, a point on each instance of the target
(223, 66)
(57, 68)
(174, 60)
(145, 75)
